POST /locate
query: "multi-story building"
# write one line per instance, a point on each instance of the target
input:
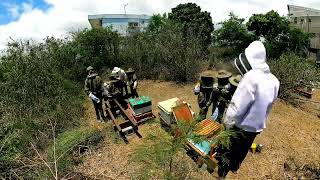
(307, 19)
(123, 23)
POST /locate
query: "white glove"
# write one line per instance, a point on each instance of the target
(93, 97)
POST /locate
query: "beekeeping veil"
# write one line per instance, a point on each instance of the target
(254, 57)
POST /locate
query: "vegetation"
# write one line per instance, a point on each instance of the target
(293, 72)
(233, 36)
(164, 55)
(280, 37)
(41, 83)
(161, 154)
(194, 22)
(34, 96)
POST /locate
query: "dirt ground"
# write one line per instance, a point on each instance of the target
(291, 135)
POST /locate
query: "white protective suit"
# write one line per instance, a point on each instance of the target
(255, 94)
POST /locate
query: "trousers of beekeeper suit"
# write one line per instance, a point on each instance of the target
(203, 99)
(249, 108)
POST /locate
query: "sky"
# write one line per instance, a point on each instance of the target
(37, 19)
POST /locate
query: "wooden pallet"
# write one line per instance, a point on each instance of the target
(303, 92)
(127, 126)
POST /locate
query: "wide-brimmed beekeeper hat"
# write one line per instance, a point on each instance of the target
(115, 70)
(89, 68)
(223, 77)
(235, 80)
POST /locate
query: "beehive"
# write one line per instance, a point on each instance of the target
(207, 128)
(165, 110)
(140, 105)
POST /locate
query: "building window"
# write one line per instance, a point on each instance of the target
(301, 21)
(295, 20)
(133, 25)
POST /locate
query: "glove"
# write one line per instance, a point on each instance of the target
(224, 91)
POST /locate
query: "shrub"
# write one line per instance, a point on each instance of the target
(34, 94)
(164, 55)
(97, 47)
(291, 70)
(71, 143)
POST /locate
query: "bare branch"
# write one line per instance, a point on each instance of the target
(44, 162)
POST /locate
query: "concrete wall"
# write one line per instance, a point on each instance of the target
(308, 20)
(125, 25)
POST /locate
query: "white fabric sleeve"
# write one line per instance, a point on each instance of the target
(241, 102)
(135, 84)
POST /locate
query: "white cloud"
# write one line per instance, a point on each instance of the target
(69, 15)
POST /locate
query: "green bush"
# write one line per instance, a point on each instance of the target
(291, 70)
(97, 47)
(164, 55)
(34, 95)
(69, 143)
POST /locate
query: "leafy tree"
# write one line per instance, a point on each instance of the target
(233, 35)
(97, 47)
(156, 23)
(164, 55)
(280, 37)
(268, 25)
(194, 22)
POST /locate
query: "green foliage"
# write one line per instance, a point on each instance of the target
(268, 25)
(233, 36)
(96, 47)
(163, 156)
(164, 55)
(34, 94)
(194, 22)
(291, 70)
(72, 142)
(279, 36)
(160, 155)
(156, 23)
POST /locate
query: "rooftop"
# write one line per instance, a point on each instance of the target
(118, 16)
(298, 11)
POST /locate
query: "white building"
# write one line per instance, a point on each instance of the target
(307, 19)
(122, 23)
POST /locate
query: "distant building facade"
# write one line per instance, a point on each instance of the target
(307, 19)
(122, 23)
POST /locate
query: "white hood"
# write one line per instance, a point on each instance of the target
(256, 56)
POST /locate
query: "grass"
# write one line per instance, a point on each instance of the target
(75, 142)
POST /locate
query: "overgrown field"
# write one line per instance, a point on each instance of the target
(44, 129)
(290, 144)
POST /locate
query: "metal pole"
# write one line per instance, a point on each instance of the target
(124, 7)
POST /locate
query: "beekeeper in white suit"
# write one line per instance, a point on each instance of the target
(249, 107)
(123, 78)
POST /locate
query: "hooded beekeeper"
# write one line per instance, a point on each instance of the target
(249, 107)
(122, 76)
(93, 88)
